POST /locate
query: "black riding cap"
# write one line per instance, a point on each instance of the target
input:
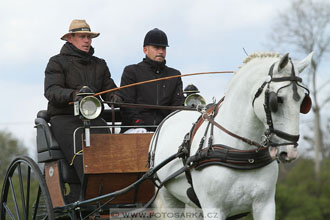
(191, 89)
(156, 37)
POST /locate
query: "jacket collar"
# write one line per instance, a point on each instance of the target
(155, 65)
(71, 50)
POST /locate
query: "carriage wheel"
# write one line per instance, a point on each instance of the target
(24, 193)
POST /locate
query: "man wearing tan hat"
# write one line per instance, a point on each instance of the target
(66, 73)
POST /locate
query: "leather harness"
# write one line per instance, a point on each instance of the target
(218, 154)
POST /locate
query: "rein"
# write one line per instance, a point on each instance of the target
(163, 107)
(245, 140)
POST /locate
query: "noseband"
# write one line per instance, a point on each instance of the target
(271, 105)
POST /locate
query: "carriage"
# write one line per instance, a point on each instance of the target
(115, 165)
(111, 163)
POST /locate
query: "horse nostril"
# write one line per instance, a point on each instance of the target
(283, 156)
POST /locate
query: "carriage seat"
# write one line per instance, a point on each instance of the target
(49, 150)
(47, 147)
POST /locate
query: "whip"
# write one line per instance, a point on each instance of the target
(159, 79)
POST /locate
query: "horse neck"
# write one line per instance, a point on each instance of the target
(236, 113)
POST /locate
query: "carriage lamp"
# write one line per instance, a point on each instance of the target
(194, 100)
(90, 107)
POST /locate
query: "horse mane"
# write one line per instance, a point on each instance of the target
(258, 55)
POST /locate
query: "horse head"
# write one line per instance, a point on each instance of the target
(278, 102)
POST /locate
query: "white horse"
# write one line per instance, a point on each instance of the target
(260, 111)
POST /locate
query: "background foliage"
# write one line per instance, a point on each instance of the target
(10, 147)
(299, 196)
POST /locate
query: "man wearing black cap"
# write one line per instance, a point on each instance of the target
(163, 93)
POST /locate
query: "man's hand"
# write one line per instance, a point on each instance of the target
(116, 98)
(75, 97)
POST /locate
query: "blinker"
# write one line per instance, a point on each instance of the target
(306, 104)
(273, 101)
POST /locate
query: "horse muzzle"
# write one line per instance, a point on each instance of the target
(287, 154)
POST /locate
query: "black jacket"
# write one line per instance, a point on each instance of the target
(164, 92)
(69, 71)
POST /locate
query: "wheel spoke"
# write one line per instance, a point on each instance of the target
(28, 179)
(22, 189)
(46, 217)
(36, 204)
(14, 197)
(8, 211)
(25, 195)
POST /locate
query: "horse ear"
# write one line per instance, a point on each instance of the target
(301, 65)
(283, 62)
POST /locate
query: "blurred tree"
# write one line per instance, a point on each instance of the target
(300, 197)
(305, 26)
(10, 147)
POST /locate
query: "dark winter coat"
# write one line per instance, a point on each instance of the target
(163, 93)
(68, 72)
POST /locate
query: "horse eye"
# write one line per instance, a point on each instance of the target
(279, 100)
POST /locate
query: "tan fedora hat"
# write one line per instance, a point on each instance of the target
(79, 26)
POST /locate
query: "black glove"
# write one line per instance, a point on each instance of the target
(85, 90)
(116, 98)
(75, 97)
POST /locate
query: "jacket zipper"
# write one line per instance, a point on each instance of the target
(157, 98)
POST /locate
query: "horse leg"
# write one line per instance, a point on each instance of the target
(167, 206)
(193, 213)
(264, 210)
(210, 210)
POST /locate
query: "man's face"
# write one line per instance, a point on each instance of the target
(81, 41)
(155, 53)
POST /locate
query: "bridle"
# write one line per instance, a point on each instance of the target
(271, 105)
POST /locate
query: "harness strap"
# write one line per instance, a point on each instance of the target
(230, 157)
(287, 78)
(213, 108)
(261, 88)
(186, 144)
(238, 216)
(250, 142)
(286, 136)
(289, 137)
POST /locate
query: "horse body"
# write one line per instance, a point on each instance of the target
(231, 191)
